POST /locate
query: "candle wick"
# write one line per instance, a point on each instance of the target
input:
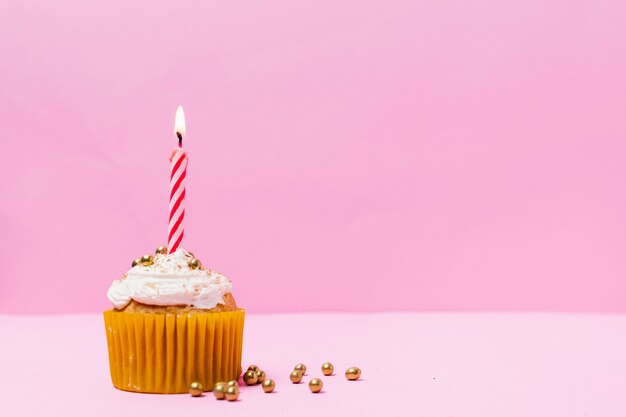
(180, 139)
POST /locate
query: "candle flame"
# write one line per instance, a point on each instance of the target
(179, 124)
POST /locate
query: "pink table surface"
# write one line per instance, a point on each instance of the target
(413, 364)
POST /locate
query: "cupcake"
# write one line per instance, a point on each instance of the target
(173, 323)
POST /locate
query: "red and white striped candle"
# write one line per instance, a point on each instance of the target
(178, 172)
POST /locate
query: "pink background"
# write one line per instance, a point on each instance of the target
(351, 155)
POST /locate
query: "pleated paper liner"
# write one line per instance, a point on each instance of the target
(164, 353)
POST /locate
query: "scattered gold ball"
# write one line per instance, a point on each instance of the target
(327, 368)
(219, 390)
(253, 368)
(136, 262)
(316, 385)
(194, 263)
(300, 367)
(268, 385)
(161, 250)
(260, 376)
(147, 260)
(296, 377)
(250, 378)
(232, 383)
(232, 393)
(353, 373)
(195, 389)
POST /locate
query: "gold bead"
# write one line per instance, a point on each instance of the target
(253, 368)
(250, 378)
(195, 389)
(353, 373)
(232, 393)
(316, 385)
(296, 377)
(260, 376)
(327, 368)
(300, 367)
(219, 390)
(194, 263)
(232, 383)
(268, 385)
(161, 250)
(136, 262)
(147, 260)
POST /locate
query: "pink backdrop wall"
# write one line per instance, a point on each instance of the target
(351, 155)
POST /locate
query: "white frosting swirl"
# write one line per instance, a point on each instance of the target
(169, 281)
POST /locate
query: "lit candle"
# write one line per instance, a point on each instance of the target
(178, 172)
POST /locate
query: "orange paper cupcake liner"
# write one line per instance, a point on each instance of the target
(164, 353)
